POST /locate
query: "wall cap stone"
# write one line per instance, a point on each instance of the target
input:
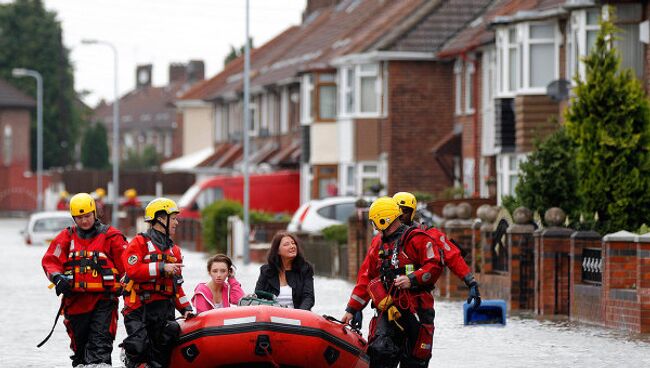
(620, 236)
(556, 232)
(588, 234)
(520, 229)
(645, 238)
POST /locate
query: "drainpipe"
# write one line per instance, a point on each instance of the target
(477, 151)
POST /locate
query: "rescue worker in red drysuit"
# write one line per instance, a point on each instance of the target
(84, 263)
(131, 200)
(152, 289)
(407, 204)
(398, 275)
(62, 204)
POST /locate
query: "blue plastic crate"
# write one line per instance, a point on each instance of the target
(490, 313)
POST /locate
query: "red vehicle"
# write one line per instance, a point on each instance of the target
(272, 192)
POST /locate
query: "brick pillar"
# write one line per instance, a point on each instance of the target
(620, 292)
(520, 245)
(643, 277)
(359, 238)
(585, 296)
(552, 249)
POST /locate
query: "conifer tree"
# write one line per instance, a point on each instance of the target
(609, 120)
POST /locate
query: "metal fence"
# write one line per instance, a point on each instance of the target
(329, 258)
(592, 266)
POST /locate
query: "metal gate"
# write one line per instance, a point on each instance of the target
(562, 289)
(526, 272)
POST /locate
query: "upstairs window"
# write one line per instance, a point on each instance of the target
(469, 87)
(7, 146)
(527, 57)
(326, 90)
(458, 86)
(361, 90)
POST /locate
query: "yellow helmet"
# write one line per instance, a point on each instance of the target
(101, 193)
(383, 212)
(159, 204)
(64, 194)
(406, 199)
(81, 204)
(130, 193)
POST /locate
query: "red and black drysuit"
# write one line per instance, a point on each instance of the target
(150, 297)
(421, 255)
(90, 262)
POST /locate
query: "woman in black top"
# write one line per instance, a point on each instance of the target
(287, 274)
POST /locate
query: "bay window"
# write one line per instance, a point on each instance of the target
(458, 86)
(326, 90)
(469, 87)
(582, 30)
(306, 89)
(527, 57)
(361, 90)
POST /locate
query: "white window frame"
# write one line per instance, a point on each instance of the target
(264, 112)
(344, 90)
(458, 87)
(284, 110)
(347, 182)
(168, 144)
(254, 116)
(503, 61)
(7, 145)
(506, 171)
(361, 175)
(306, 96)
(524, 31)
(488, 91)
(469, 86)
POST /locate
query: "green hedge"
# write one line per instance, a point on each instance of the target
(215, 222)
(337, 233)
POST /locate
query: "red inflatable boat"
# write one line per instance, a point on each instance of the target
(266, 336)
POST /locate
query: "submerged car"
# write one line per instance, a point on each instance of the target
(43, 227)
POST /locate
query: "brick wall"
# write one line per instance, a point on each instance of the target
(420, 114)
(620, 299)
(533, 114)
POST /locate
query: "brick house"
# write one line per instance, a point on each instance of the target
(355, 92)
(17, 182)
(504, 62)
(147, 113)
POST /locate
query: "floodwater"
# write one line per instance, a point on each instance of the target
(28, 307)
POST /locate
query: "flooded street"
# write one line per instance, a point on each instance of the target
(29, 306)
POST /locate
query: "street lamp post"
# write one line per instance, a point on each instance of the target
(247, 117)
(116, 131)
(21, 72)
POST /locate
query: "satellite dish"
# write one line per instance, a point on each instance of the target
(558, 90)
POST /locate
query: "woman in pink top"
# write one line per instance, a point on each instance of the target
(222, 291)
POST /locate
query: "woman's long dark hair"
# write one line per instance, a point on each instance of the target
(222, 258)
(273, 257)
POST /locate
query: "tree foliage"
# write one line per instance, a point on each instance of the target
(94, 147)
(609, 121)
(235, 53)
(214, 219)
(147, 159)
(31, 38)
(548, 177)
